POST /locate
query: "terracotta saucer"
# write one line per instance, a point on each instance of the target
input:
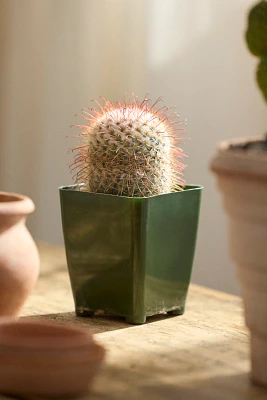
(46, 359)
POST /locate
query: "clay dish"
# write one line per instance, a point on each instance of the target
(46, 359)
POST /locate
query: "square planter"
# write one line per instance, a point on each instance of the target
(130, 256)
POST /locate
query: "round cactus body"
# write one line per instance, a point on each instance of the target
(129, 150)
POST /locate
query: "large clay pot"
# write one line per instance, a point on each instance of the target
(241, 170)
(19, 259)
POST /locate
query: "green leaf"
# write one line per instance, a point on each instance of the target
(262, 76)
(256, 35)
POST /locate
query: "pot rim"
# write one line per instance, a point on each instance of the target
(188, 187)
(15, 204)
(41, 335)
(246, 164)
(224, 146)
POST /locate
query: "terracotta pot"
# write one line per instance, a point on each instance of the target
(242, 178)
(19, 259)
(46, 359)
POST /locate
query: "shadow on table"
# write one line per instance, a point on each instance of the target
(200, 367)
(195, 369)
(233, 387)
(98, 323)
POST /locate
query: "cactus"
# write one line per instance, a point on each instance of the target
(129, 149)
(256, 37)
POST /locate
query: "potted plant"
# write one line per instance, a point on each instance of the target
(130, 222)
(240, 166)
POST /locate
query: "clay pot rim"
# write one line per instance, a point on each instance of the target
(224, 147)
(15, 204)
(248, 164)
(40, 335)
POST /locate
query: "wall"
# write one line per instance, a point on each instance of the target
(58, 55)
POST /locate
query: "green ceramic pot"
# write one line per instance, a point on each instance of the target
(130, 256)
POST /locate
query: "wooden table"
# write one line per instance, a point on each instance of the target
(201, 355)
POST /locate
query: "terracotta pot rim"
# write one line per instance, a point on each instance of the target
(40, 335)
(15, 204)
(224, 146)
(238, 163)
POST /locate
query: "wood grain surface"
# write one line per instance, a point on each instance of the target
(201, 355)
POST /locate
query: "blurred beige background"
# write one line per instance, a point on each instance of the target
(58, 55)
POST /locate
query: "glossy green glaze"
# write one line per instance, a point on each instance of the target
(130, 256)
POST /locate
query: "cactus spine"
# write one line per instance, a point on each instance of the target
(129, 149)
